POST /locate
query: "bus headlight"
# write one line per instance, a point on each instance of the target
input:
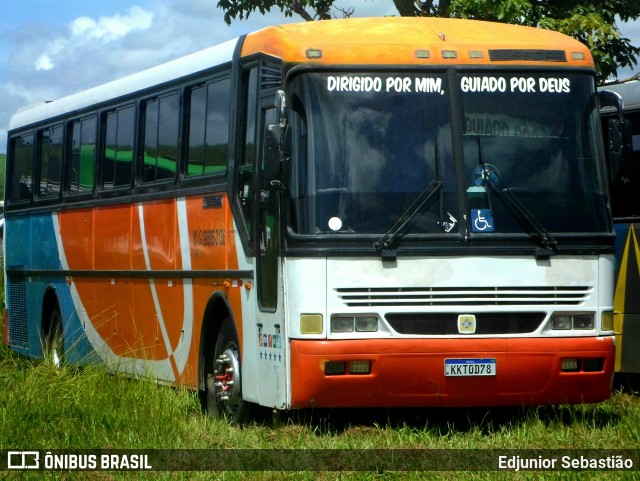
(572, 320)
(583, 321)
(560, 322)
(366, 324)
(341, 324)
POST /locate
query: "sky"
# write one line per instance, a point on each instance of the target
(52, 48)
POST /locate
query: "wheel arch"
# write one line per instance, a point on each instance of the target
(218, 309)
(50, 300)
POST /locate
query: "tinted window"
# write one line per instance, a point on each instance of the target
(161, 128)
(50, 162)
(245, 171)
(21, 182)
(209, 128)
(626, 176)
(83, 155)
(118, 150)
(365, 149)
(540, 134)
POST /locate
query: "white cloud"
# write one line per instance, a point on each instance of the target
(43, 62)
(48, 61)
(630, 30)
(109, 29)
(14, 98)
(88, 33)
(81, 25)
(23, 98)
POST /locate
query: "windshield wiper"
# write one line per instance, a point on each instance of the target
(425, 198)
(490, 176)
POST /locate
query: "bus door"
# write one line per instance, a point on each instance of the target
(267, 245)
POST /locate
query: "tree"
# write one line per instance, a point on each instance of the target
(243, 8)
(592, 22)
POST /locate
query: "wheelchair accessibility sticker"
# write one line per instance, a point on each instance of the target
(481, 220)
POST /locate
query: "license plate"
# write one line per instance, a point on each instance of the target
(469, 367)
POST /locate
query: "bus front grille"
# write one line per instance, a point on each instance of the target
(435, 324)
(464, 296)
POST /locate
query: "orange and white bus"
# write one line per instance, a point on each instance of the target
(359, 212)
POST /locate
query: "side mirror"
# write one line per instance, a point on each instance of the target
(274, 140)
(272, 171)
(619, 149)
(614, 147)
(281, 106)
(609, 98)
(618, 133)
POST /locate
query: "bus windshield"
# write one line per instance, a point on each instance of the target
(366, 145)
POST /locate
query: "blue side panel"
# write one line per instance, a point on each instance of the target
(44, 247)
(76, 345)
(31, 245)
(23, 332)
(17, 238)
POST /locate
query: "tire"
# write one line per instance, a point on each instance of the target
(54, 342)
(223, 391)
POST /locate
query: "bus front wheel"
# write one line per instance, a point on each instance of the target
(223, 381)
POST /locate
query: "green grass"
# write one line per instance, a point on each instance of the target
(87, 408)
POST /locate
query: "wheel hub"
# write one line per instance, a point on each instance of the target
(227, 380)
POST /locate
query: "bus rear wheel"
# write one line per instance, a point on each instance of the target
(54, 342)
(223, 381)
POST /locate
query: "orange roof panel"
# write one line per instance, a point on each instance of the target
(395, 40)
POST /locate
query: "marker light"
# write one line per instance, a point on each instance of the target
(577, 55)
(570, 364)
(311, 323)
(359, 367)
(314, 53)
(423, 54)
(607, 321)
(449, 54)
(476, 54)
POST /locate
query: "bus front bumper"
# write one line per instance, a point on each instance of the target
(411, 372)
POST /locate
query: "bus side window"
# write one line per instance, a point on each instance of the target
(83, 156)
(50, 153)
(21, 183)
(161, 126)
(117, 156)
(247, 156)
(209, 128)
